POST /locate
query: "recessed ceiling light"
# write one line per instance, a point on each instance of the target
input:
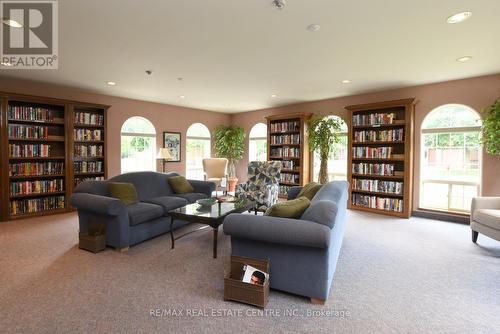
(12, 23)
(274, 95)
(464, 59)
(313, 27)
(459, 17)
(346, 81)
(6, 64)
(111, 83)
(182, 96)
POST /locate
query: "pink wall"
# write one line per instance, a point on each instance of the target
(474, 92)
(164, 117)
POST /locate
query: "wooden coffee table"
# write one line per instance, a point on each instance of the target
(212, 216)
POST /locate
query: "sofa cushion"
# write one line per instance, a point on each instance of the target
(488, 217)
(322, 212)
(142, 212)
(125, 192)
(191, 197)
(168, 202)
(180, 185)
(309, 190)
(289, 209)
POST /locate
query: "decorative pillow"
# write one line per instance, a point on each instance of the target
(289, 209)
(309, 190)
(180, 185)
(322, 212)
(125, 192)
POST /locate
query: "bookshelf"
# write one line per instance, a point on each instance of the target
(36, 144)
(381, 157)
(287, 142)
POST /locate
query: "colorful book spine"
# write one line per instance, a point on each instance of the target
(36, 187)
(29, 113)
(19, 131)
(29, 150)
(25, 206)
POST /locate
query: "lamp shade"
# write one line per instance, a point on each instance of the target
(163, 153)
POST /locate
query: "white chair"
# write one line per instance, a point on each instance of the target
(215, 170)
(485, 217)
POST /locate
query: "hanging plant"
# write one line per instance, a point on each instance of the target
(491, 128)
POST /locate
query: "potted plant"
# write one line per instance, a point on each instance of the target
(323, 135)
(491, 128)
(230, 144)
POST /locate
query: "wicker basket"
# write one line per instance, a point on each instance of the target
(235, 289)
(95, 238)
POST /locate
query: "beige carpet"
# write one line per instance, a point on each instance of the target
(393, 276)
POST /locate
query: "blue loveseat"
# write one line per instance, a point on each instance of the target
(127, 225)
(303, 252)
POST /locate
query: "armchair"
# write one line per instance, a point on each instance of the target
(262, 186)
(215, 170)
(485, 217)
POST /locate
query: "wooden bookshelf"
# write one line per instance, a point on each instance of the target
(287, 142)
(36, 151)
(380, 157)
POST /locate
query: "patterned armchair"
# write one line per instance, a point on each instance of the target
(262, 185)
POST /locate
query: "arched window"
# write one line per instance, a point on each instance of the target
(257, 145)
(450, 169)
(138, 145)
(197, 148)
(337, 164)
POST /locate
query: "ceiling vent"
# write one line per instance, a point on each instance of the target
(280, 4)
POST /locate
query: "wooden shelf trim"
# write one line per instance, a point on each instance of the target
(376, 193)
(47, 176)
(55, 193)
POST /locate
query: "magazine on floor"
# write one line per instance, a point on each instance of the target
(254, 276)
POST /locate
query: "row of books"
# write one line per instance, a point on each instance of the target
(28, 131)
(79, 180)
(30, 113)
(286, 139)
(29, 150)
(290, 177)
(283, 190)
(373, 119)
(19, 207)
(36, 187)
(289, 164)
(372, 152)
(392, 187)
(373, 169)
(89, 118)
(88, 166)
(87, 134)
(381, 203)
(36, 168)
(381, 135)
(285, 152)
(285, 126)
(89, 150)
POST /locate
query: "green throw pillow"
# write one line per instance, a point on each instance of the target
(125, 192)
(290, 209)
(180, 185)
(309, 190)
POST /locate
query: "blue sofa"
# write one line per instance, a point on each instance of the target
(127, 225)
(303, 252)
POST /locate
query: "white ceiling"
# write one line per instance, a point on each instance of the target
(234, 54)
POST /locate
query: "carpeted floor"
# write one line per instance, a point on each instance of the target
(393, 276)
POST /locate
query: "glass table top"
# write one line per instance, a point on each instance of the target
(215, 211)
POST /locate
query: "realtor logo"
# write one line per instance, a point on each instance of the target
(29, 34)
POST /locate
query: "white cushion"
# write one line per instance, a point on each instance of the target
(488, 217)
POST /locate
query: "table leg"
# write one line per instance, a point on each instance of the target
(172, 232)
(216, 232)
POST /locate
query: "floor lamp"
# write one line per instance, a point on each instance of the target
(164, 155)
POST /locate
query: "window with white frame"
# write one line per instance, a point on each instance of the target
(257, 143)
(337, 163)
(138, 145)
(197, 149)
(450, 170)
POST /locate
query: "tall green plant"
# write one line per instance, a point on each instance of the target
(230, 144)
(323, 135)
(491, 128)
